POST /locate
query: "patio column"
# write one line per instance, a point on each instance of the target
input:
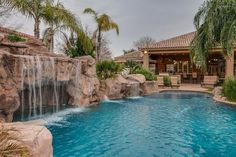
(146, 60)
(229, 69)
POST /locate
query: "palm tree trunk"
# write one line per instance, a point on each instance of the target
(36, 28)
(99, 44)
(51, 40)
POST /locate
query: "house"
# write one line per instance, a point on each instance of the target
(172, 56)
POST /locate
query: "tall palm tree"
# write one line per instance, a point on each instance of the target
(43, 10)
(30, 8)
(216, 26)
(59, 19)
(104, 24)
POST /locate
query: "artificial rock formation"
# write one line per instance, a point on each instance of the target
(38, 139)
(128, 86)
(31, 77)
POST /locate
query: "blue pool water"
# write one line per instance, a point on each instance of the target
(162, 125)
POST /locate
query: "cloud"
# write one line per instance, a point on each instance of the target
(159, 19)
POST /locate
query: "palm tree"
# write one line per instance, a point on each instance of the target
(216, 26)
(43, 10)
(59, 20)
(104, 24)
(30, 8)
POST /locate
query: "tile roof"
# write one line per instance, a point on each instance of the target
(181, 41)
(130, 56)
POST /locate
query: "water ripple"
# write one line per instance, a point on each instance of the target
(162, 125)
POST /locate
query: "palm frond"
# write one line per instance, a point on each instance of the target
(10, 144)
(216, 25)
(90, 11)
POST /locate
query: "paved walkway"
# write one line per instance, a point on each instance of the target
(186, 87)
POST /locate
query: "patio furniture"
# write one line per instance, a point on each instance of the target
(164, 74)
(194, 77)
(209, 81)
(174, 82)
(160, 81)
(185, 77)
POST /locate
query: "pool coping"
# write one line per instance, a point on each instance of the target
(217, 99)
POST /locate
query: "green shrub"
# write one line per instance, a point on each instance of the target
(133, 66)
(79, 50)
(229, 89)
(167, 81)
(15, 38)
(147, 73)
(107, 69)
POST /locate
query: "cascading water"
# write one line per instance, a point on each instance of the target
(22, 87)
(39, 80)
(29, 86)
(42, 92)
(77, 72)
(55, 84)
(31, 82)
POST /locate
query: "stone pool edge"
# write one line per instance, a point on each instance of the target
(215, 97)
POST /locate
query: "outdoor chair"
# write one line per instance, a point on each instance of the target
(174, 82)
(209, 81)
(185, 78)
(160, 81)
(194, 77)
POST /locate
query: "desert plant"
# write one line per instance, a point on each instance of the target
(15, 38)
(147, 73)
(167, 81)
(107, 69)
(133, 66)
(10, 144)
(229, 89)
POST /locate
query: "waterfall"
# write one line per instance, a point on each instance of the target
(77, 72)
(31, 73)
(39, 80)
(32, 60)
(134, 89)
(29, 86)
(55, 84)
(22, 91)
(40, 86)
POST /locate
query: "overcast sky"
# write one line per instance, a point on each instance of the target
(160, 19)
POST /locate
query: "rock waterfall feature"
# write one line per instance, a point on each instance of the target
(33, 79)
(31, 83)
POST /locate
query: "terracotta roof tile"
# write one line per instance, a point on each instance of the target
(135, 54)
(181, 41)
(130, 56)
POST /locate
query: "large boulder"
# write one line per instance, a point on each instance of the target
(119, 87)
(114, 87)
(136, 78)
(149, 87)
(37, 138)
(9, 97)
(84, 88)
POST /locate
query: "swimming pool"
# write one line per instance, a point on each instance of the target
(165, 124)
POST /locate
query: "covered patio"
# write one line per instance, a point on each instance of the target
(172, 57)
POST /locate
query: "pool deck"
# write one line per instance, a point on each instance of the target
(186, 87)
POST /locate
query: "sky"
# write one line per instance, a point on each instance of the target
(159, 19)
